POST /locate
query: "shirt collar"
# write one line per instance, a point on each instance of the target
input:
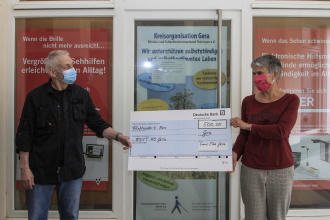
(50, 88)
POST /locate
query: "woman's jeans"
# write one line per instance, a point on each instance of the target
(68, 197)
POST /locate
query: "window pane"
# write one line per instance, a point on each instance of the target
(302, 45)
(89, 41)
(175, 71)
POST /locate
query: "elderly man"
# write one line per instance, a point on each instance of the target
(49, 139)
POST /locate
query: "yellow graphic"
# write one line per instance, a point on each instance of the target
(208, 79)
(152, 105)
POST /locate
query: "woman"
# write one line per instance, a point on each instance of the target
(263, 142)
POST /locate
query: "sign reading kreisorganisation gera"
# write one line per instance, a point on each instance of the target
(181, 140)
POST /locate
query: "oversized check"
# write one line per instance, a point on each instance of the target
(181, 140)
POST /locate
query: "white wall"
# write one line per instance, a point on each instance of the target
(3, 146)
(124, 13)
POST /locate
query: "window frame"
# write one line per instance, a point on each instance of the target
(32, 5)
(296, 4)
(118, 160)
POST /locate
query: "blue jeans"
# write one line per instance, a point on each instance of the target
(68, 197)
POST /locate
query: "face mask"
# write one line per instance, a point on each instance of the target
(260, 81)
(70, 76)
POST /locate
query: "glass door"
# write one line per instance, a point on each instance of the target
(176, 68)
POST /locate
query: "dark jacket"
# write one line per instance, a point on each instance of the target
(39, 131)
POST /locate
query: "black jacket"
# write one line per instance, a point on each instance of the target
(39, 131)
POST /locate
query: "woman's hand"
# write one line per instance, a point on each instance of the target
(238, 123)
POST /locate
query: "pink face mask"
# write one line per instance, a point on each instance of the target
(260, 81)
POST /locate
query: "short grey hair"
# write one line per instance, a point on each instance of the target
(50, 61)
(272, 63)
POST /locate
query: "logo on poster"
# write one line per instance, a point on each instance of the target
(178, 205)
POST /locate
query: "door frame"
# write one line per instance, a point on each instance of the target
(163, 15)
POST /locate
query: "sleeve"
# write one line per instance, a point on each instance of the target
(241, 139)
(285, 123)
(94, 120)
(25, 130)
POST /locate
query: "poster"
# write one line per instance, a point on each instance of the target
(89, 49)
(305, 61)
(177, 67)
(181, 140)
(176, 195)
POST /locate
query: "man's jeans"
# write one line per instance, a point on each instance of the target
(68, 196)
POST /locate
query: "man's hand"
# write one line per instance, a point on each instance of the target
(111, 134)
(27, 176)
(124, 140)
